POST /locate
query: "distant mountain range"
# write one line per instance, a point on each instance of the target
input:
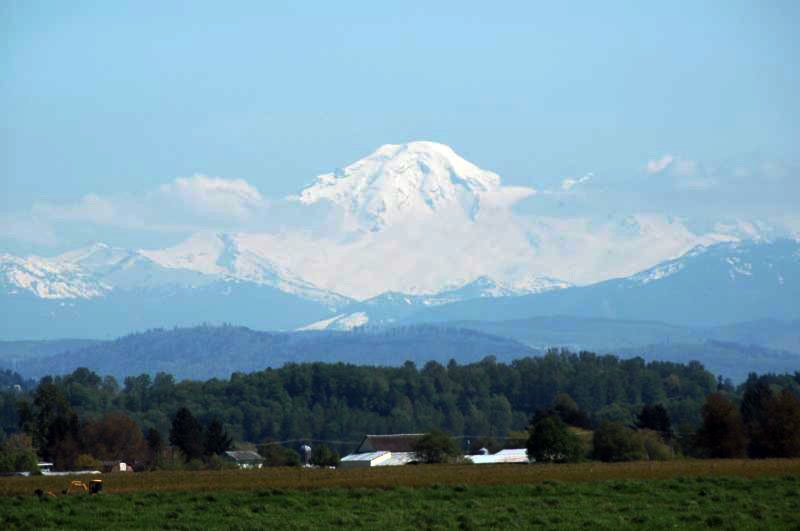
(610, 335)
(104, 292)
(709, 286)
(205, 352)
(217, 351)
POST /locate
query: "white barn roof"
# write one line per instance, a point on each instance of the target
(512, 455)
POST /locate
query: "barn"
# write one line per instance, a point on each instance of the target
(383, 450)
(510, 455)
(245, 458)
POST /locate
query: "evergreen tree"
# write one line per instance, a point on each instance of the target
(186, 434)
(63, 441)
(155, 445)
(217, 441)
(756, 399)
(49, 405)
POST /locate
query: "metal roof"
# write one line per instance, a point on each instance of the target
(381, 458)
(368, 456)
(511, 455)
(400, 442)
(399, 458)
(244, 455)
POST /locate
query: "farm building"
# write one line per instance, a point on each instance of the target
(245, 458)
(383, 450)
(511, 455)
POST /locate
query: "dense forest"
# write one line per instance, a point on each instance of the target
(341, 402)
(84, 415)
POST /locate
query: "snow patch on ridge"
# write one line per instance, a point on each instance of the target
(658, 273)
(229, 257)
(342, 322)
(48, 279)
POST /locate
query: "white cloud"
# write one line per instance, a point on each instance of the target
(569, 183)
(184, 205)
(92, 208)
(214, 196)
(684, 174)
(659, 165)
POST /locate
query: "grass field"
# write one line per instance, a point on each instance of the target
(683, 494)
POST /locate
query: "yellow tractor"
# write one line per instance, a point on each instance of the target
(95, 486)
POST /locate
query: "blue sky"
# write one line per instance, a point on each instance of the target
(114, 99)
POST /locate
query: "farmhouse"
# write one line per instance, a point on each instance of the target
(383, 450)
(245, 458)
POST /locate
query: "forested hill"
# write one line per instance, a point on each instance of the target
(204, 352)
(14, 351)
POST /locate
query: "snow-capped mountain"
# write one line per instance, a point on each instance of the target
(82, 295)
(710, 285)
(441, 221)
(402, 182)
(391, 308)
(97, 270)
(409, 227)
(413, 218)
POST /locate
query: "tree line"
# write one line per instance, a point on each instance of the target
(84, 414)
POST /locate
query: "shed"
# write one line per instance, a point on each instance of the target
(364, 460)
(245, 458)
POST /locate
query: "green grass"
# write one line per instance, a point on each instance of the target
(686, 503)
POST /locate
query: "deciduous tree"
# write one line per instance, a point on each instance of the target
(436, 447)
(782, 429)
(115, 437)
(613, 441)
(551, 441)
